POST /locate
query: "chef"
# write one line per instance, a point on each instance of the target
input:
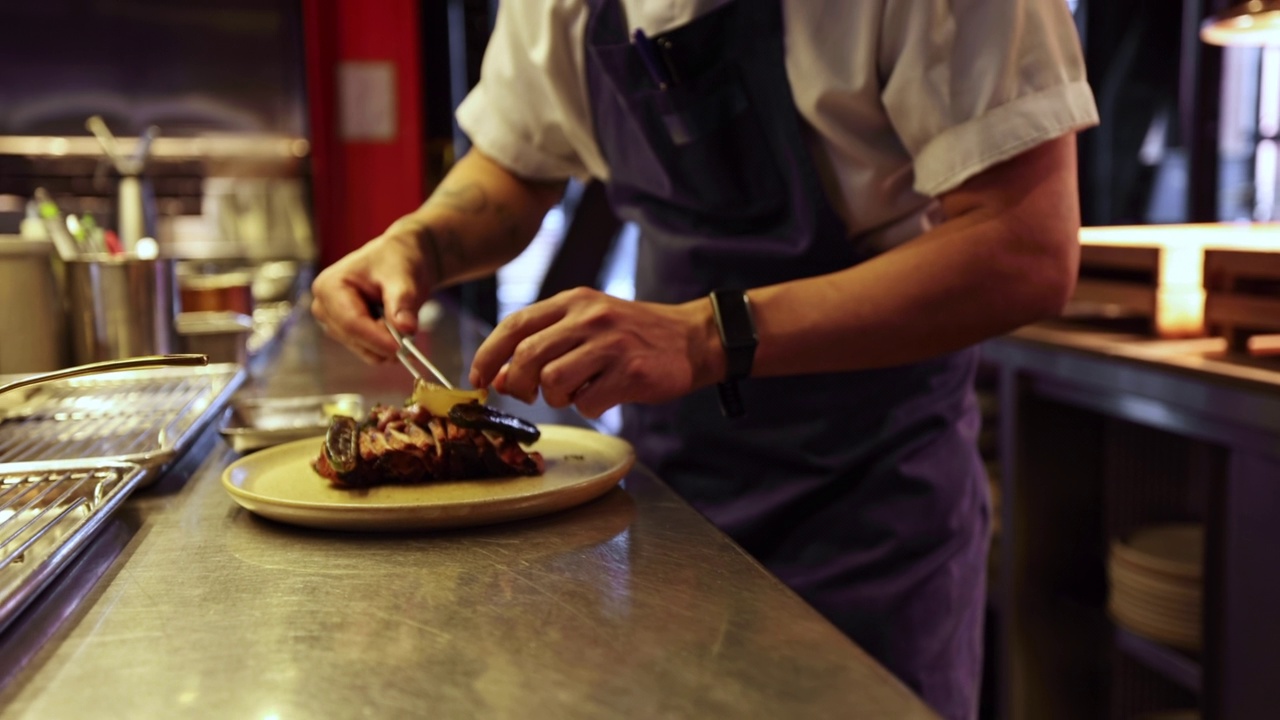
(836, 201)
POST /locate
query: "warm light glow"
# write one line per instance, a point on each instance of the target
(1265, 174)
(1251, 24)
(1269, 93)
(1180, 295)
(146, 249)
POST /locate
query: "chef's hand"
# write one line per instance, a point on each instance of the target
(390, 269)
(588, 349)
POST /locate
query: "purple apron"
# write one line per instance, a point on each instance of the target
(863, 491)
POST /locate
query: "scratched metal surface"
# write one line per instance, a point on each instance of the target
(632, 606)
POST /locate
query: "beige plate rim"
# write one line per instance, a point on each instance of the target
(615, 473)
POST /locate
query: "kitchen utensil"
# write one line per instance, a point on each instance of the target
(120, 306)
(55, 226)
(409, 352)
(279, 483)
(134, 363)
(135, 197)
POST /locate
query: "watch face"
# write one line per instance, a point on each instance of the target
(737, 330)
(733, 311)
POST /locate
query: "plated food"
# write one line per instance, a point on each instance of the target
(439, 434)
(279, 483)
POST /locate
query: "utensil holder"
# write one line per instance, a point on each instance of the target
(120, 306)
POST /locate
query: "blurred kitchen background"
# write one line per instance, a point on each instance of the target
(292, 131)
(225, 84)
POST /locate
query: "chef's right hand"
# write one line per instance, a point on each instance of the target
(390, 269)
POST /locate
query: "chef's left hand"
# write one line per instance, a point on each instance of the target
(595, 351)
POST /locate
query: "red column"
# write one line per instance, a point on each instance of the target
(367, 166)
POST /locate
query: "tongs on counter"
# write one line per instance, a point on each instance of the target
(409, 352)
(133, 363)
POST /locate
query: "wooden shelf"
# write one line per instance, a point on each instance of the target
(1169, 663)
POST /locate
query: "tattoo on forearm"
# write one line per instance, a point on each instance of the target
(433, 247)
(447, 251)
(510, 227)
(467, 198)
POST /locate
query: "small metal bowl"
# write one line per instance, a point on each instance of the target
(255, 423)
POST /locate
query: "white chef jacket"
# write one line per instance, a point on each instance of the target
(907, 98)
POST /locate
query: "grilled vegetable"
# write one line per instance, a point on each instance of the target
(342, 444)
(481, 417)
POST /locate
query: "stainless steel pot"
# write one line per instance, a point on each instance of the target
(121, 306)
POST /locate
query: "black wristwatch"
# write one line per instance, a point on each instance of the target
(732, 309)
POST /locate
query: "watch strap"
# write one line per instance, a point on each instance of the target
(731, 399)
(737, 328)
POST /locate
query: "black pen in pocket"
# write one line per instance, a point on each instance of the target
(653, 60)
(664, 54)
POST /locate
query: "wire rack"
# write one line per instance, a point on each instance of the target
(72, 451)
(47, 512)
(143, 417)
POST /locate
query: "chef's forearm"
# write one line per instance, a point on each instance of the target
(1008, 257)
(479, 217)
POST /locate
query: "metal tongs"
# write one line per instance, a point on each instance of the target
(409, 352)
(133, 363)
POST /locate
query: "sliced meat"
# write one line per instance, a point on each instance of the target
(408, 445)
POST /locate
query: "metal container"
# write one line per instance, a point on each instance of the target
(255, 423)
(224, 291)
(33, 325)
(120, 307)
(223, 336)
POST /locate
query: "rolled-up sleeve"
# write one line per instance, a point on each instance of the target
(528, 111)
(970, 83)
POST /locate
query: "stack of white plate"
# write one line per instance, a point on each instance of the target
(1157, 583)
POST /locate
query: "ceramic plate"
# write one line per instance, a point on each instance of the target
(1174, 549)
(1154, 584)
(1178, 634)
(279, 483)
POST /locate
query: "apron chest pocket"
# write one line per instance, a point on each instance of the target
(712, 148)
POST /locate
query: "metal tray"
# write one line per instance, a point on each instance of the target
(48, 513)
(144, 417)
(255, 423)
(72, 451)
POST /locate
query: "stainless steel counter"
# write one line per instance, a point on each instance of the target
(630, 606)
